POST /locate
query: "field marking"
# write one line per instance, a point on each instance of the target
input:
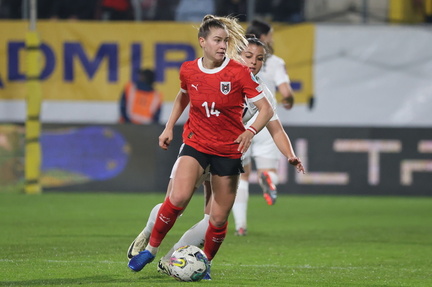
(304, 267)
(222, 264)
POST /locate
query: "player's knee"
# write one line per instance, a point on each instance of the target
(179, 200)
(218, 221)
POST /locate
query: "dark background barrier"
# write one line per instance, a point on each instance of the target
(148, 166)
(374, 161)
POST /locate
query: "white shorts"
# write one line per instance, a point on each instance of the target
(266, 163)
(246, 157)
(264, 151)
(263, 146)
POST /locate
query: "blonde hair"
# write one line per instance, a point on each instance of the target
(236, 40)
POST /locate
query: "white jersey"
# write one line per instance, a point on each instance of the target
(263, 145)
(273, 73)
(263, 148)
(251, 111)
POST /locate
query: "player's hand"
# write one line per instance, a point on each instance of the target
(295, 161)
(244, 140)
(165, 138)
(288, 102)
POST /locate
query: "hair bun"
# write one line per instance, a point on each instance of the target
(208, 17)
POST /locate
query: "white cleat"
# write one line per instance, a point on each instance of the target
(163, 267)
(138, 245)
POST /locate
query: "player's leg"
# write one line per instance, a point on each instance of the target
(188, 171)
(224, 181)
(266, 156)
(268, 178)
(239, 209)
(196, 234)
(224, 192)
(141, 241)
(183, 186)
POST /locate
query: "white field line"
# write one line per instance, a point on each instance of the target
(221, 264)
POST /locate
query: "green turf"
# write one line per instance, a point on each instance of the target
(81, 239)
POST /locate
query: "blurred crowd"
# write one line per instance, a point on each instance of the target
(288, 11)
(153, 10)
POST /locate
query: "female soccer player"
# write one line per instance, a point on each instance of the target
(253, 57)
(214, 135)
(263, 149)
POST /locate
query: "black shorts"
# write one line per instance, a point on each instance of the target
(219, 165)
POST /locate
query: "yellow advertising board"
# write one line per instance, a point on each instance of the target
(407, 11)
(295, 44)
(92, 61)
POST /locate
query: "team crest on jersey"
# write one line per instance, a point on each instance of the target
(225, 87)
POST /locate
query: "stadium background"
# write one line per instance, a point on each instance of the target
(361, 122)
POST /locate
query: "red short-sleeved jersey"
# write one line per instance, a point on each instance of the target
(216, 105)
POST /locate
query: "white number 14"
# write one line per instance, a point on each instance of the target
(212, 111)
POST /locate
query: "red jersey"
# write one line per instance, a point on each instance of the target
(216, 105)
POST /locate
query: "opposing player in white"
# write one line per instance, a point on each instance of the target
(253, 57)
(263, 149)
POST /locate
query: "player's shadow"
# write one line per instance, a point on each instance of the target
(100, 279)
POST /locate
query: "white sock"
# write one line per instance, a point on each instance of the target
(194, 236)
(240, 205)
(151, 220)
(153, 250)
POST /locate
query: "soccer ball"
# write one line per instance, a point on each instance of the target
(188, 263)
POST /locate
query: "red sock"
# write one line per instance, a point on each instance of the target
(165, 219)
(213, 239)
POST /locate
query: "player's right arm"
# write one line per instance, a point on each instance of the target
(287, 95)
(265, 113)
(282, 81)
(180, 103)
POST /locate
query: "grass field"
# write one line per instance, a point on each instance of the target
(81, 239)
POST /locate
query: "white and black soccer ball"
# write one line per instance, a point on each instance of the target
(188, 263)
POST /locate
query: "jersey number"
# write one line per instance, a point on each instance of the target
(212, 110)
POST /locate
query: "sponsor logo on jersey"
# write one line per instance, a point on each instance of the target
(225, 87)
